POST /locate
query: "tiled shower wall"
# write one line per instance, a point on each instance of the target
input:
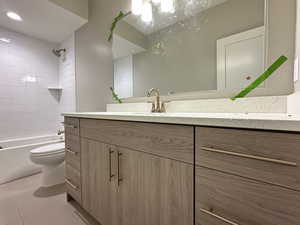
(67, 77)
(27, 68)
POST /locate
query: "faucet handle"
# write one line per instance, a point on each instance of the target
(163, 106)
(153, 109)
(150, 91)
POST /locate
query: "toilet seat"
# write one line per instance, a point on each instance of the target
(49, 150)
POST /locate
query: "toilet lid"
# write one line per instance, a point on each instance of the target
(49, 149)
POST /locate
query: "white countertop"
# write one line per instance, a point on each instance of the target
(265, 121)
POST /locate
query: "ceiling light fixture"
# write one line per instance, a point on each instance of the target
(5, 40)
(144, 8)
(147, 12)
(167, 6)
(29, 79)
(14, 16)
(136, 7)
(156, 1)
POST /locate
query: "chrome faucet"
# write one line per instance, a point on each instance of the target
(157, 106)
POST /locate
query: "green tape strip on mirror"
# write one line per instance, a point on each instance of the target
(278, 63)
(120, 16)
(115, 96)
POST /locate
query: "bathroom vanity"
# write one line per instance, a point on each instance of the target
(177, 170)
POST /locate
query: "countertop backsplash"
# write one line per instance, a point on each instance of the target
(272, 104)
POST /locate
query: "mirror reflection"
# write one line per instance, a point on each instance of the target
(188, 46)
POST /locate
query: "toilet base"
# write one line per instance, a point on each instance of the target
(53, 175)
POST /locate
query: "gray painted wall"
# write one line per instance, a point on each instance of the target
(131, 34)
(189, 60)
(79, 7)
(282, 38)
(94, 64)
(297, 84)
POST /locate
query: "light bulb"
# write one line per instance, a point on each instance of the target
(14, 16)
(167, 6)
(5, 40)
(147, 12)
(136, 7)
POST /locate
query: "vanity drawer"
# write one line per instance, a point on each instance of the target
(73, 151)
(73, 183)
(272, 157)
(71, 126)
(72, 142)
(171, 141)
(73, 159)
(223, 199)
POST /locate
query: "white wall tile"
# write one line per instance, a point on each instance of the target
(27, 108)
(67, 77)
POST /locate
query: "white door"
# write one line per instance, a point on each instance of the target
(240, 59)
(123, 77)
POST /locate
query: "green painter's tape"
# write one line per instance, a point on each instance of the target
(115, 96)
(281, 60)
(120, 16)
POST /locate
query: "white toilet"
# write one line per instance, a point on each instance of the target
(51, 157)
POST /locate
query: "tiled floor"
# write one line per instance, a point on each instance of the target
(23, 203)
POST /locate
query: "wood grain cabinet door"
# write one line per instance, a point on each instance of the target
(154, 190)
(98, 187)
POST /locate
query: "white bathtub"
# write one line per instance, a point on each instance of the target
(15, 156)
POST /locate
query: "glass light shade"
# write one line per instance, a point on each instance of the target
(136, 7)
(156, 1)
(167, 6)
(14, 16)
(5, 40)
(147, 12)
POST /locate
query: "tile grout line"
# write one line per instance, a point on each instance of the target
(20, 215)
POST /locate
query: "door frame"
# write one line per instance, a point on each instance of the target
(221, 51)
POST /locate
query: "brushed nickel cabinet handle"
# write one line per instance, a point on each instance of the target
(282, 162)
(109, 162)
(71, 184)
(71, 152)
(218, 217)
(120, 179)
(69, 125)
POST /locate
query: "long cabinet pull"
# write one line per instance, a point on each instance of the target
(218, 217)
(120, 179)
(69, 125)
(71, 184)
(282, 162)
(71, 152)
(110, 165)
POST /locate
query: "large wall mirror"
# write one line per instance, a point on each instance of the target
(203, 48)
